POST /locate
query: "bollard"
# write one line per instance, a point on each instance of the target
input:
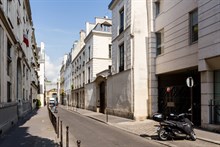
(78, 143)
(67, 136)
(61, 134)
(58, 127)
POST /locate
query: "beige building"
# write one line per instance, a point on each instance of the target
(156, 46)
(208, 62)
(187, 45)
(18, 57)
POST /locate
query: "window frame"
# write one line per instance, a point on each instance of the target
(157, 7)
(121, 20)
(89, 75)
(9, 92)
(121, 58)
(9, 60)
(159, 42)
(193, 36)
(110, 51)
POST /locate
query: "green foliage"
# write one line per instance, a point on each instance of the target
(38, 104)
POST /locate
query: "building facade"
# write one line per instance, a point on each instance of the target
(63, 100)
(98, 50)
(18, 56)
(186, 35)
(172, 48)
(208, 62)
(176, 35)
(41, 73)
(78, 72)
(127, 87)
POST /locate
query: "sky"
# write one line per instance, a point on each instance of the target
(57, 23)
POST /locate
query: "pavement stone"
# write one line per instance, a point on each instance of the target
(146, 128)
(34, 130)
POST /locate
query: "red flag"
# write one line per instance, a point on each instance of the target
(25, 40)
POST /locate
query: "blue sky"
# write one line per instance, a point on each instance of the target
(57, 23)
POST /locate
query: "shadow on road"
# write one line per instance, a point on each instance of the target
(21, 138)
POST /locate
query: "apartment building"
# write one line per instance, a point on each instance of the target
(176, 34)
(63, 100)
(41, 73)
(208, 62)
(98, 50)
(165, 58)
(91, 54)
(68, 79)
(78, 72)
(187, 46)
(128, 87)
(19, 57)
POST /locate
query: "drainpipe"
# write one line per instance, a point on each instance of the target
(132, 62)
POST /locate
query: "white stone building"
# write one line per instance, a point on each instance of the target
(98, 51)
(91, 54)
(68, 79)
(63, 99)
(78, 72)
(160, 43)
(41, 73)
(18, 57)
(128, 87)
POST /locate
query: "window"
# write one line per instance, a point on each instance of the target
(193, 26)
(121, 27)
(106, 28)
(88, 74)
(23, 70)
(121, 57)
(23, 94)
(9, 58)
(26, 74)
(8, 92)
(157, 8)
(89, 52)
(110, 51)
(159, 43)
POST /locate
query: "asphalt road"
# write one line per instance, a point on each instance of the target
(96, 134)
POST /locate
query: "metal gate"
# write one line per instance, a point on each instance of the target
(173, 99)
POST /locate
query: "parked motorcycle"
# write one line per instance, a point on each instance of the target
(174, 126)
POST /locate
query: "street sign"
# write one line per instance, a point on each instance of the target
(189, 82)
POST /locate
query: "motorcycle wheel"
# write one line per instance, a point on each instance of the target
(193, 136)
(163, 134)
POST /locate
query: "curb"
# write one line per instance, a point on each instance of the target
(208, 140)
(160, 142)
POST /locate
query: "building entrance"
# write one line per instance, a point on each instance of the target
(175, 96)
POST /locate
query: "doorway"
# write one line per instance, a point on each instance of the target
(102, 97)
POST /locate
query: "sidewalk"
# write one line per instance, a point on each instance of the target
(35, 130)
(146, 128)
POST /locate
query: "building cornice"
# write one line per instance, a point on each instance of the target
(94, 32)
(112, 4)
(12, 35)
(28, 6)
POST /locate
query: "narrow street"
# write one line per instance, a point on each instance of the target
(92, 132)
(96, 134)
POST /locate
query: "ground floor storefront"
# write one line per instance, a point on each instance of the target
(174, 96)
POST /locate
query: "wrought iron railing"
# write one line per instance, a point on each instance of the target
(214, 111)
